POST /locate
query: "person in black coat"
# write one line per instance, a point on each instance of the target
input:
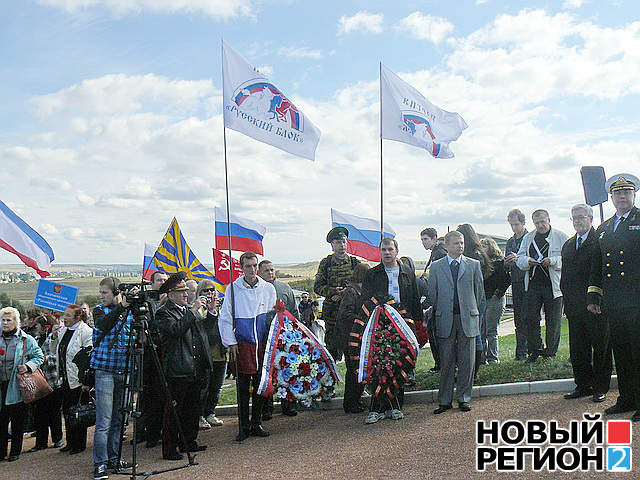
(589, 338)
(186, 362)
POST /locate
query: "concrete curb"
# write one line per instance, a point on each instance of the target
(431, 396)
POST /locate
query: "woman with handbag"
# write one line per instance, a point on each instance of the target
(67, 340)
(47, 413)
(19, 355)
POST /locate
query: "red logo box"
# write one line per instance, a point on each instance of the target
(619, 432)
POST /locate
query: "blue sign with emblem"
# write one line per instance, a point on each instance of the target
(54, 295)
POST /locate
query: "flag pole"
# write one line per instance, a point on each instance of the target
(226, 188)
(381, 164)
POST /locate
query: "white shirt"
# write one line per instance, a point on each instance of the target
(393, 287)
(450, 259)
(618, 219)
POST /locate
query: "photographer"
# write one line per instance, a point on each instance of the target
(186, 361)
(211, 394)
(109, 360)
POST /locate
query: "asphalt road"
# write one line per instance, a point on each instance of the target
(334, 445)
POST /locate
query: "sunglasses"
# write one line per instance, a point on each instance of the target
(208, 290)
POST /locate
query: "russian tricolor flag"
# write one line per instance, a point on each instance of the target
(20, 239)
(246, 235)
(148, 265)
(364, 234)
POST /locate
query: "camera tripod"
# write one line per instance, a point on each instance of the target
(134, 380)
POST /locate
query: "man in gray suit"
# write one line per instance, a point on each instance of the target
(455, 290)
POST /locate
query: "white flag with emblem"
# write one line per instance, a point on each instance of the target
(408, 117)
(256, 107)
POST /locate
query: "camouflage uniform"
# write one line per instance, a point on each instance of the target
(332, 273)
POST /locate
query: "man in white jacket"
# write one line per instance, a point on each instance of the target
(540, 255)
(243, 329)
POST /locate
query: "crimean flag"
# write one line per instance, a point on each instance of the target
(221, 266)
(17, 237)
(408, 117)
(174, 255)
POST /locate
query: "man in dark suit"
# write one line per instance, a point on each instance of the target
(614, 288)
(456, 289)
(589, 340)
(186, 362)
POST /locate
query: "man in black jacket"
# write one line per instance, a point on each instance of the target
(392, 278)
(614, 288)
(186, 361)
(589, 339)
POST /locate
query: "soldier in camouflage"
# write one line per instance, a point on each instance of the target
(331, 279)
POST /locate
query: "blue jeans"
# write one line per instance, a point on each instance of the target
(109, 395)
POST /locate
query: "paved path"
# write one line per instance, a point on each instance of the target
(334, 445)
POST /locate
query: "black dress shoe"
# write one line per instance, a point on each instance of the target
(242, 436)
(37, 448)
(636, 417)
(617, 408)
(578, 393)
(66, 448)
(442, 409)
(13, 458)
(533, 358)
(464, 406)
(289, 412)
(266, 417)
(194, 447)
(598, 397)
(173, 456)
(259, 431)
(76, 450)
(151, 443)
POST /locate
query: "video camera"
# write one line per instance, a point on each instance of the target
(138, 300)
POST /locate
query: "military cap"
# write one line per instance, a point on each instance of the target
(175, 283)
(623, 181)
(337, 233)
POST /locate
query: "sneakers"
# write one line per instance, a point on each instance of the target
(394, 414)
(100, 472)
(204, 425)
(113, 466)
(213, 421)
(373, 417)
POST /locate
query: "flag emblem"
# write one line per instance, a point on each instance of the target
(266, 102)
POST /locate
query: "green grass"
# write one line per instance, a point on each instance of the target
(507, 371)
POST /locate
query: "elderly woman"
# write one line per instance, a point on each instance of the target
(46, 411)
(13, 342)
(211, 394)
(67, 340)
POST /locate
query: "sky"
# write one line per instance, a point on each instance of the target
(112, 119)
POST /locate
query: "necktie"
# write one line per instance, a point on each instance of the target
(620, 221)
(579, 242)
(455, 265)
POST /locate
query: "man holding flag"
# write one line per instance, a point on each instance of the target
(333, 272)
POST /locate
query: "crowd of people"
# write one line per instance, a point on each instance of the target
(458, 300)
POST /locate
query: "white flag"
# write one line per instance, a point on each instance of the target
(256, 107)
(410, 118)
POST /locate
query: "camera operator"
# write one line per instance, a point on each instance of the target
(109, 360)
(186, 362)
(150, 422)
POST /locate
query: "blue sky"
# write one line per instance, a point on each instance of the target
(112, 120)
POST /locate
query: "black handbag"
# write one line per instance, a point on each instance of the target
(86, 374)
(81, 416)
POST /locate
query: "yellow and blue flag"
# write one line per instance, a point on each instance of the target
(174, 255)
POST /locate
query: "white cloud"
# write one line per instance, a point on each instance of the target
(300, 52)
(426, 27)
(572, 3)
(222, 9)
(361, 21)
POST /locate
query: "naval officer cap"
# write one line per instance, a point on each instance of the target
(623, 181)
(175, 283)
(337, 233)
